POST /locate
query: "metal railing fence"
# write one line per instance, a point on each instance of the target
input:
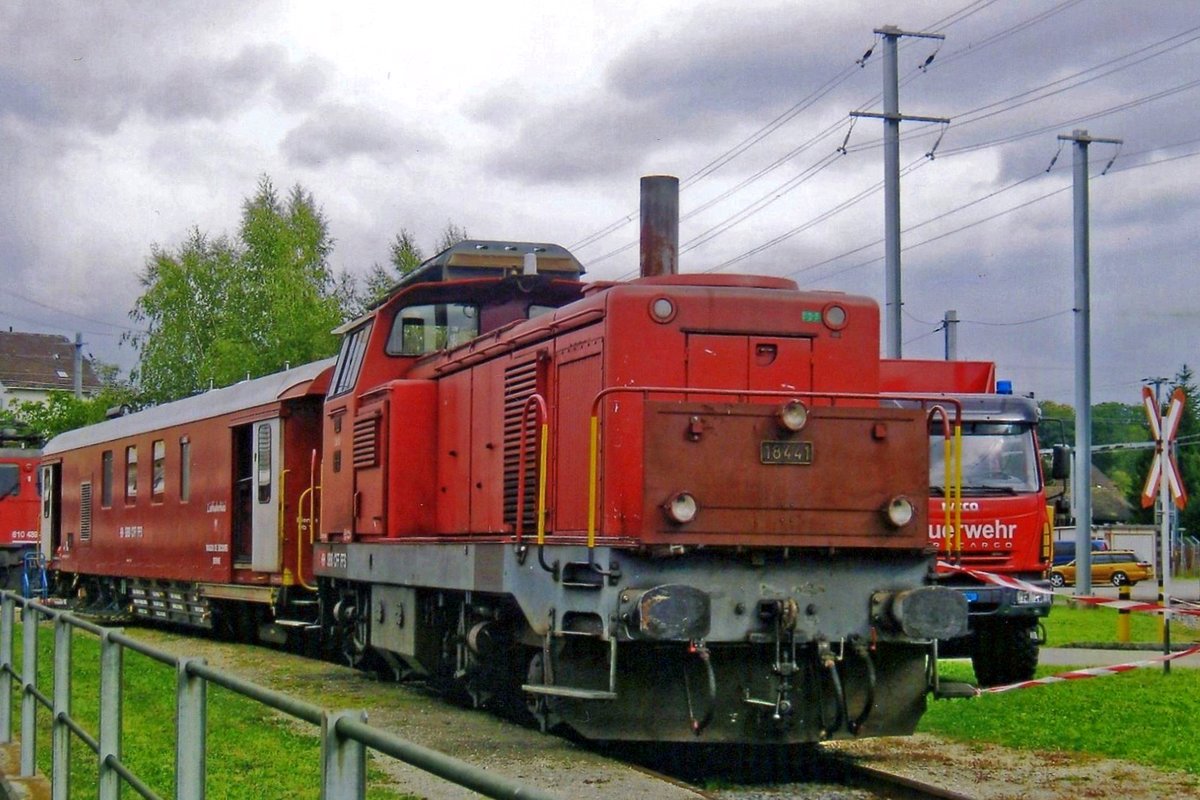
(344, 735)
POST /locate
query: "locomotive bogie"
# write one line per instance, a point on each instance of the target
(773, 627)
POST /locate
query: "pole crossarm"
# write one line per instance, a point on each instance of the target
(892, 30)
(899, 117)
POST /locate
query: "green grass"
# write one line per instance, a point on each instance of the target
(1071, 623)
(253, 752)
(1142, 716)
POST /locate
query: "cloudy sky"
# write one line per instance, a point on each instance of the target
(125, 124)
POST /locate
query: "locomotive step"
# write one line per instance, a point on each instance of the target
(565, 691)
(952, 689)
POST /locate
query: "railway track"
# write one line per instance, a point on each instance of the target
(550, 762)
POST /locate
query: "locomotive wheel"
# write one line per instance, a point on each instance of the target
(353, 632)
(1004, 653)
(540, 706)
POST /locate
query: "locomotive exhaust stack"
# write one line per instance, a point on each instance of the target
(660, 226)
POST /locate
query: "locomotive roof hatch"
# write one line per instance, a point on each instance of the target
(213, 403)
(478, 258)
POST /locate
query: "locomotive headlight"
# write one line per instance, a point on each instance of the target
(662, 309)
(834, 316)
(792, 415)
(681, 508)
(899, 512)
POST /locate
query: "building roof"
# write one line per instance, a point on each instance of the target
(41, 361)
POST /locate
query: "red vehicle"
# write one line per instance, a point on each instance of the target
(673, 509)
(18, 512)
(187, 512)
(1005, 528)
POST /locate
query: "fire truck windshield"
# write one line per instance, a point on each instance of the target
(997, 458)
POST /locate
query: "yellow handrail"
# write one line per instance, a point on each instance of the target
(310, 493)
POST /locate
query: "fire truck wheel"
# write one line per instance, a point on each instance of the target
(1004, 652)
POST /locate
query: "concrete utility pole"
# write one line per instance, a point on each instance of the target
(950, 327)
(892, 117)
(1083, 364)
(78, 365)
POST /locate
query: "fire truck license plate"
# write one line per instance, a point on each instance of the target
(772, 452)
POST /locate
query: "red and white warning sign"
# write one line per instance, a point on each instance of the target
(1163, 430)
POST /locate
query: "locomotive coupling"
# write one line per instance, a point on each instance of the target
(927, 612)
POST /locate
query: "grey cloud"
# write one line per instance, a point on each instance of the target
(336, 133)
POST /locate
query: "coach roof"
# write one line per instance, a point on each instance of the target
(213, 403)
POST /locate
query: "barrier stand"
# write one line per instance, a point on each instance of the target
(1123, 593)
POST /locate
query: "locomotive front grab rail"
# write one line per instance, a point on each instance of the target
(744, 394)
(344, 735)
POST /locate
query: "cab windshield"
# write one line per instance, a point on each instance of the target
(423, 329)
(997, 458)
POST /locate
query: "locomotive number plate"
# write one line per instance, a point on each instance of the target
(773, 452)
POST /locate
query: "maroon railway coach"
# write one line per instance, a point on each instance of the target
(192, 508)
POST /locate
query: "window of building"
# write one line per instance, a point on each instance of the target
(131, 464)
(158, 470)
(106, 478)
(185, 469)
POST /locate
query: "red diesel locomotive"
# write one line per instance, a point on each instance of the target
(18, 512)
(673, 509)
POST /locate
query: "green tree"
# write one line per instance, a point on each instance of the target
(217, 310)
(404, 256)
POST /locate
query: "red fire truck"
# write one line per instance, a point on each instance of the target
(1003, 525)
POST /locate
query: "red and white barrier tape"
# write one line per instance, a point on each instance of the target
(991, 577)
(1178, 608)
(1093, 672)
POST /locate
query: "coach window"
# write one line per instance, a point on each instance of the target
(185, 469)
(424, 329)
(106, 478)
(131, 473)
(158, 473)
(264, 463)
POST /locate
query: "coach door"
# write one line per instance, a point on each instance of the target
(266, 497)
(256, 495)
(51, 510)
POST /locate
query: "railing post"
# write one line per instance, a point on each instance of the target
(60, 733)
(6, 667)
(343, 760)
(191, 721)
(112, 664)
(29, 659)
